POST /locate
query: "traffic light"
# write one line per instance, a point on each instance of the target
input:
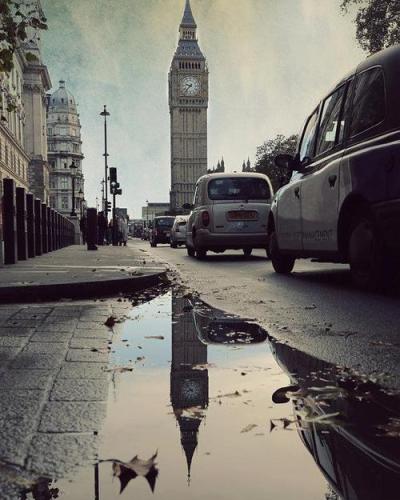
(113, 175)
(114, 187)
(108, 207)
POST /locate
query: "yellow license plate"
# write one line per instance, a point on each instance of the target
(242, 215)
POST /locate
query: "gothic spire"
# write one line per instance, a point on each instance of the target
(188, 19)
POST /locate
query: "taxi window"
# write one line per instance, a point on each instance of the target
(238, 188)
(369, 101)
(329, 121)
(308, 140)
(167, 222)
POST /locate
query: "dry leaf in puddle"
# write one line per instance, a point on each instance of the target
(235, 394)
(120, 369)
(203, 367)
(157, 337)
(248, 428)
(125, 471)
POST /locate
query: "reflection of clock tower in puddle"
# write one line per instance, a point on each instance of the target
(188, 103)
(189, 387)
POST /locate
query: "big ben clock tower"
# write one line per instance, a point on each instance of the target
(188, 103)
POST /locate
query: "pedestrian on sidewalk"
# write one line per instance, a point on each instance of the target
(102, 227)
(124, 231)
(83, 228)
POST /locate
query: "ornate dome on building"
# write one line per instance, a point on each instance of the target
(62, 99)
(65, 152)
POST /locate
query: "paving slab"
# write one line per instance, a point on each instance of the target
(60, 416)
(74, 272)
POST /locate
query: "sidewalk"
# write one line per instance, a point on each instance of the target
(75, 272)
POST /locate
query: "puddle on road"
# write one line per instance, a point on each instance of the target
(212, 408)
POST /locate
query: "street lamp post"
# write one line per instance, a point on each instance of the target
(105, 113)
(147, 217)
(73, 167)
(81, 202)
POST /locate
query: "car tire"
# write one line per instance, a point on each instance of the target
(201, 253)
(370, 268)
(282, 264)
(173, 245)
(247, 252)
(191, 251)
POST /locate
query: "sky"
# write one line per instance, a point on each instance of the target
(270, 61)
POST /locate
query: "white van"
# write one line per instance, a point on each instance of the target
(229, 211)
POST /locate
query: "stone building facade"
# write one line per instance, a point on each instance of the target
(36, 85)
(152, 210)
(188, 104)
(14, 161)
(23, 137)
(64, 151)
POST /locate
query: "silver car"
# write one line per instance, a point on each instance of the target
(230, 211)
(178, 231)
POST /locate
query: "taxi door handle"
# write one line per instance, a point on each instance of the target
(332, 180)
(297, 192)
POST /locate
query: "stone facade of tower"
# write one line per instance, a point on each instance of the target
(188, 104)
(64, 150)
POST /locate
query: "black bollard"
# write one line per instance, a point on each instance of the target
(38, 227)
(49, 235)
(22, 230)
(9, 222)
(30, 222)
(45, 241)
(91, 228)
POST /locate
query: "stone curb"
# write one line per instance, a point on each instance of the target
(79, 290)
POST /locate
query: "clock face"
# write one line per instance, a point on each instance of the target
(191, 390)
(190, 86)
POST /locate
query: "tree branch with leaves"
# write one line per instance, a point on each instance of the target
(377, 23)
(265, 158)
(17, 20)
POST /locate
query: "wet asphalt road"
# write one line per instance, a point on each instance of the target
(316, 309)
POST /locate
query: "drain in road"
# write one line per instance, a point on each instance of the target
(205, 405)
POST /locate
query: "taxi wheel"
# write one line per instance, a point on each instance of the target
(201, 253)
(247, 252)
(370, 268)
(173, 245)
(282, 264)
(191, 251)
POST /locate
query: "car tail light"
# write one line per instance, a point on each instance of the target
(205, 218)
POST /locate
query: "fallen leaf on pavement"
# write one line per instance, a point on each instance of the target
(110, 321)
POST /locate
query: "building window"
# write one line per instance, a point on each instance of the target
(64, 202)
(49, 131)
(64, 182)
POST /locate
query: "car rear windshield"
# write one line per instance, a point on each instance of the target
(182, 223)
(238, 188)
(167, 222)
